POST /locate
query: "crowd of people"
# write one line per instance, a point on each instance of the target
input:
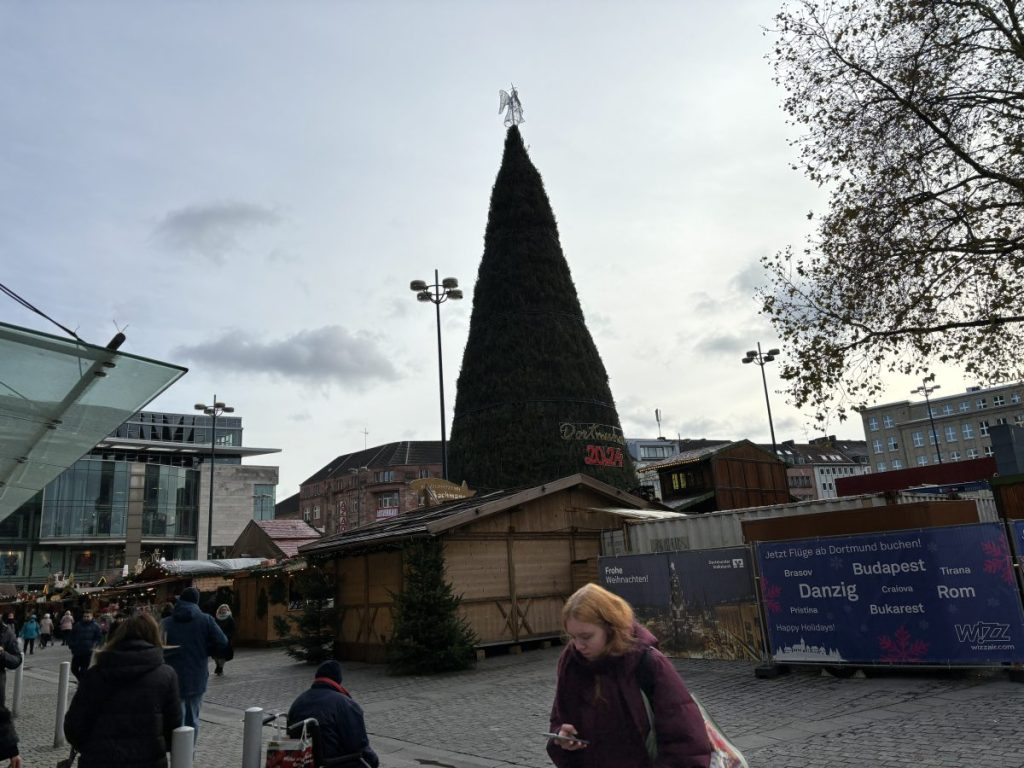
(618, 701)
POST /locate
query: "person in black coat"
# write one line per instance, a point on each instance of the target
(10, 657)
(342, 727)
(226, 622)
(8, 739)
(127, 704)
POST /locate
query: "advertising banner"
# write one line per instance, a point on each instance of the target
(1017, 526)
(932, 596)
(698, 603)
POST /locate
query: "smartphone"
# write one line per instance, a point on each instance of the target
(584, 742)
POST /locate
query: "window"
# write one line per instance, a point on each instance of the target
(887, 422)
(1018, 419)
(967, 431)
(1015, 398)
(306, 514)
(918, 440)
(951, 434)
(316, 512)
(932, 437)
(922, 460)
(387, 505)
(881, 466)
(655, 451)
(897, 464)
(983, 428)
(998, 400)
(424, 473)
(988, 450)
(947, 410)
(954, 455)
(873, 424)
(893, 445)
(982, 404)
(972, 453)
(965, 407)
(1001, 420)
(263, 499)
(876, 446)
(384, 476)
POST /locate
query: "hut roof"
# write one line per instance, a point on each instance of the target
(431, 521)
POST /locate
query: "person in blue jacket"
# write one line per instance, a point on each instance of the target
(85, 636)
(29, 633)
(342, 727)
(191, 637)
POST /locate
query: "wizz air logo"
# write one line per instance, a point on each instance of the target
(983, 632)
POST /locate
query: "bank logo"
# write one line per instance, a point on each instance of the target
(737, 562)
(983, 632)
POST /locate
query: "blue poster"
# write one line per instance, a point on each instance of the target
(1017, 526)
(931, 596)
(640, 580)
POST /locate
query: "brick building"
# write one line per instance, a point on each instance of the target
(368, 485)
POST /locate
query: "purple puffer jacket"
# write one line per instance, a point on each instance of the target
(602, 700)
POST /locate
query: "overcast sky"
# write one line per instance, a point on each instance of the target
(249, 187)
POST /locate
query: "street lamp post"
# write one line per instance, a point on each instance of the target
(437, 294)
(756, 356)
(213, 411)
(926, 390)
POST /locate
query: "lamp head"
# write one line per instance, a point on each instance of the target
(768, 358)
(751, 353)
(455, 293)
(773, 352)
(417, 285)
(423, 296)
(200, 406)
(450, 282)
(228, 409)
(746, 360)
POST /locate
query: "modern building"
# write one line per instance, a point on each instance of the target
(142, 489)
(944, 430)
(812, 469)
(369, 485)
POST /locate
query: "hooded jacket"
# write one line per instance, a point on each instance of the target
(125, 709)
(342, 725)
(602, 699)
(195, 637)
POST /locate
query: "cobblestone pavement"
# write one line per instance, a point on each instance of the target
(495, 715)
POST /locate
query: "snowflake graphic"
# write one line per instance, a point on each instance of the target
(993, 602)
(902, 647)
(836, 563)
(770, 594)
(933, 546)
(997, 559)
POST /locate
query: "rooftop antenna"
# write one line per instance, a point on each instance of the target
(512, 107)
(657, 418)
(365, 433)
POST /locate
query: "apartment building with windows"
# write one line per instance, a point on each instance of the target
(950, 428)
(812, 469)
(369, 485)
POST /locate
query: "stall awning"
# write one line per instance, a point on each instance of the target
(58, 398)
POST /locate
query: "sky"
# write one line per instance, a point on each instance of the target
(247, 189)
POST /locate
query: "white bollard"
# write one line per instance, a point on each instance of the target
(252, 737)
(16, 696)
(183, 742)
(62, 703)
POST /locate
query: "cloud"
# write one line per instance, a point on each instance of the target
(748, 279)
(299, 417)
(328, 355)
(724, 344)
(213, 230)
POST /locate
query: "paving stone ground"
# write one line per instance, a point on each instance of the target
(495, 714)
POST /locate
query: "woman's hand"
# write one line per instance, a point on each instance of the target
(567, 735)
(16, 761)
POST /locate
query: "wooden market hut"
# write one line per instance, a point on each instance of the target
(514, 557)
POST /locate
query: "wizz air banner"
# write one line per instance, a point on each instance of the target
(930, 596)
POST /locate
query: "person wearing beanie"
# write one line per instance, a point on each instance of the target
(191, 637)
(342, 726)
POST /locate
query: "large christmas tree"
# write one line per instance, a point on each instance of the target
(533, 402)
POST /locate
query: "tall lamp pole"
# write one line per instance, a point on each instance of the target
(213, 411)
(926, 390)
(756, 356)
(437, 294)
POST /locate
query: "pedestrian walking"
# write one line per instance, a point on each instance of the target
(226, 622)
(45, 630)
(67, 622)
(10, 657)
(600, 713)
(127, 705)
(8, 739)
(191, 637)
(342, 725)
(29, 633)
(85, 636)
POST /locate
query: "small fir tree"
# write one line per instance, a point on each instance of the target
(310, 636)
(429, 635)
(533, 402)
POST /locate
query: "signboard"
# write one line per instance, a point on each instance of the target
(1017, 526)
(698, 603)
(931, 596)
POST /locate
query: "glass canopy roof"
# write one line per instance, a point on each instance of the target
(58, 398)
